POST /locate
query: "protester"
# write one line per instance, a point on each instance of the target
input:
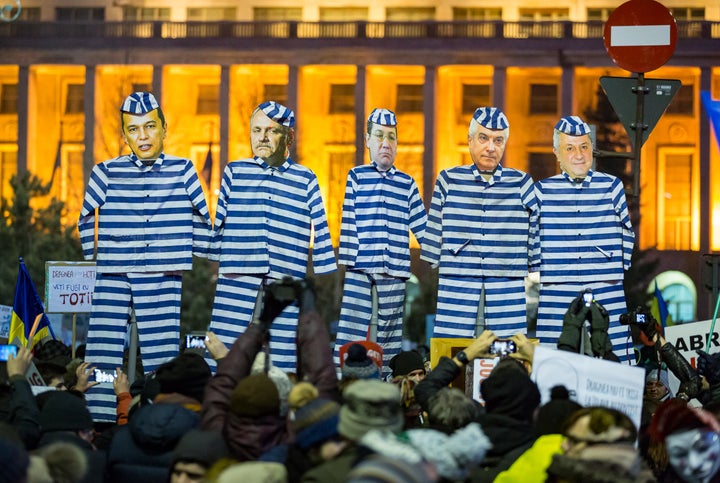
(195, 453)
(18, 406)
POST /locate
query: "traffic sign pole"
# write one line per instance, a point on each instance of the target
(640, 90)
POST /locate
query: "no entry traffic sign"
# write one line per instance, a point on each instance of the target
(640, 35)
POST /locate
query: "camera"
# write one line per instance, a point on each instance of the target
(638, 316)
(503, 347)
(587, 297)
(7, 350)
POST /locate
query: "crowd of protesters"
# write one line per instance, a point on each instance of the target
(252, 422)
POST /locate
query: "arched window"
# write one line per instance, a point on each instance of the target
(679, 293)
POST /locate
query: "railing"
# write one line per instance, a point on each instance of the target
(329, 30)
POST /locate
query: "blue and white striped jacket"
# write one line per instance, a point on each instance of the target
(379, 210)
(481, 228)
(585, 233)
(265, 218)
(150, 218)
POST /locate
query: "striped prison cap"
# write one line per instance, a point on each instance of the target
(491, 118)
(278, 113)
(572, 125)
(139, 103)
(384, 117)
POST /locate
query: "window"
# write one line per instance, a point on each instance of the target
(543, 99)
(146, 13)
(404, 14)
(409, 98)
(544, 14)
(477, 13)
(340, 160)
(79, 14)
(342, 99)
(72, 180)
(8, 169)
(75, 99)
(474, 96)
(542, 165)
(208, 101)
(687, 13)
(340, 14)
(683, 102)
(680, 302)
(277, 14)
(275, 92)
(675, 214)
(211, 14)
(8, 99)
(601, 14)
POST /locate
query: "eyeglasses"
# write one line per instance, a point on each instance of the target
(381, 136)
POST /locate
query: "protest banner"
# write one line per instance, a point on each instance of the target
(69, 287)
(590, 381)
(688, 338)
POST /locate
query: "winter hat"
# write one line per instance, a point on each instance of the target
(491, 118)
(379, 468)
(406, 362)
(277, 376)
(651, 375)
(187, 374)
(202, 447)
(65, 411)
(139, 103)
(57, 462)
(573, 126)
(552, 416)
(509, 391)
(254, 472)
(14, 462)
(278, 113)
(254, 396)
(52, 349)
(370, 404)
(315, 422)
(301, 393)
(358, 365)
(384, 117)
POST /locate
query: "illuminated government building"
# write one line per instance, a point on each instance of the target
(66, 66)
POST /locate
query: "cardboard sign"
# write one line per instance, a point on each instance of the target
(688, 339)
(481, 370)
(590, 381)
(33, 376)
(5, 316)
(69, 287)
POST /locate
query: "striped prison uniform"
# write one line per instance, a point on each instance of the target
(379, 211)
(151, 221)
(264, 225)
(585, 240)
(479, 232)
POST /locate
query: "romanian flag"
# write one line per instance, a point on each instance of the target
(659, 309)
(28, 322)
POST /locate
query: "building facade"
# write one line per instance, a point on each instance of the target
(66, 66)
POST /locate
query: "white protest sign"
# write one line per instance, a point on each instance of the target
(5, 316)
(481, 370)
(69, 287)
(33, 375)
(688, 338)
(590, 381)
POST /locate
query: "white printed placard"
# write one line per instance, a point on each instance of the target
(688, 338)
(590, 381)
(69, 287)
(5, 317)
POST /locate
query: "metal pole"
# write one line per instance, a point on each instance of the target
(132, 349)
(373, 328)
(640, 90)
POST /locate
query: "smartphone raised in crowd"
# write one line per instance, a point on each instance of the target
(503, 347)
(195, 340)
(6, 350)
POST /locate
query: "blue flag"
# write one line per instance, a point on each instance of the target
(659, 309)
(26, 308)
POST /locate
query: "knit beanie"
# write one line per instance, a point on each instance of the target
(358, 365)
(406, 362)
(14, 462)
(254, 396)
(202, 447)
(277, 376)
(187, 374)
(316, 422)
(65, 411)
(551, 417)
(384, 469)
(370, 404)
(509, 391)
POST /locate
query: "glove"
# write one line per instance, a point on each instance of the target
(573, 321)
(599, 324)
(708, 365)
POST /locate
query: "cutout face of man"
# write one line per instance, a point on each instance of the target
(487, 147)
(269, 140)
(144, 134)
(575, 154)
(381, 142)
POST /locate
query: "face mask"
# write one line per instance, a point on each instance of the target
(694, 454)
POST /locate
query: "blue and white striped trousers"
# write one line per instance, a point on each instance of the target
(155, 298)
(458, 303)
(556, 298)
(233, 308)
(356, 312)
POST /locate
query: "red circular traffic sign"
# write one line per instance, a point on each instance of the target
(640, 35)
